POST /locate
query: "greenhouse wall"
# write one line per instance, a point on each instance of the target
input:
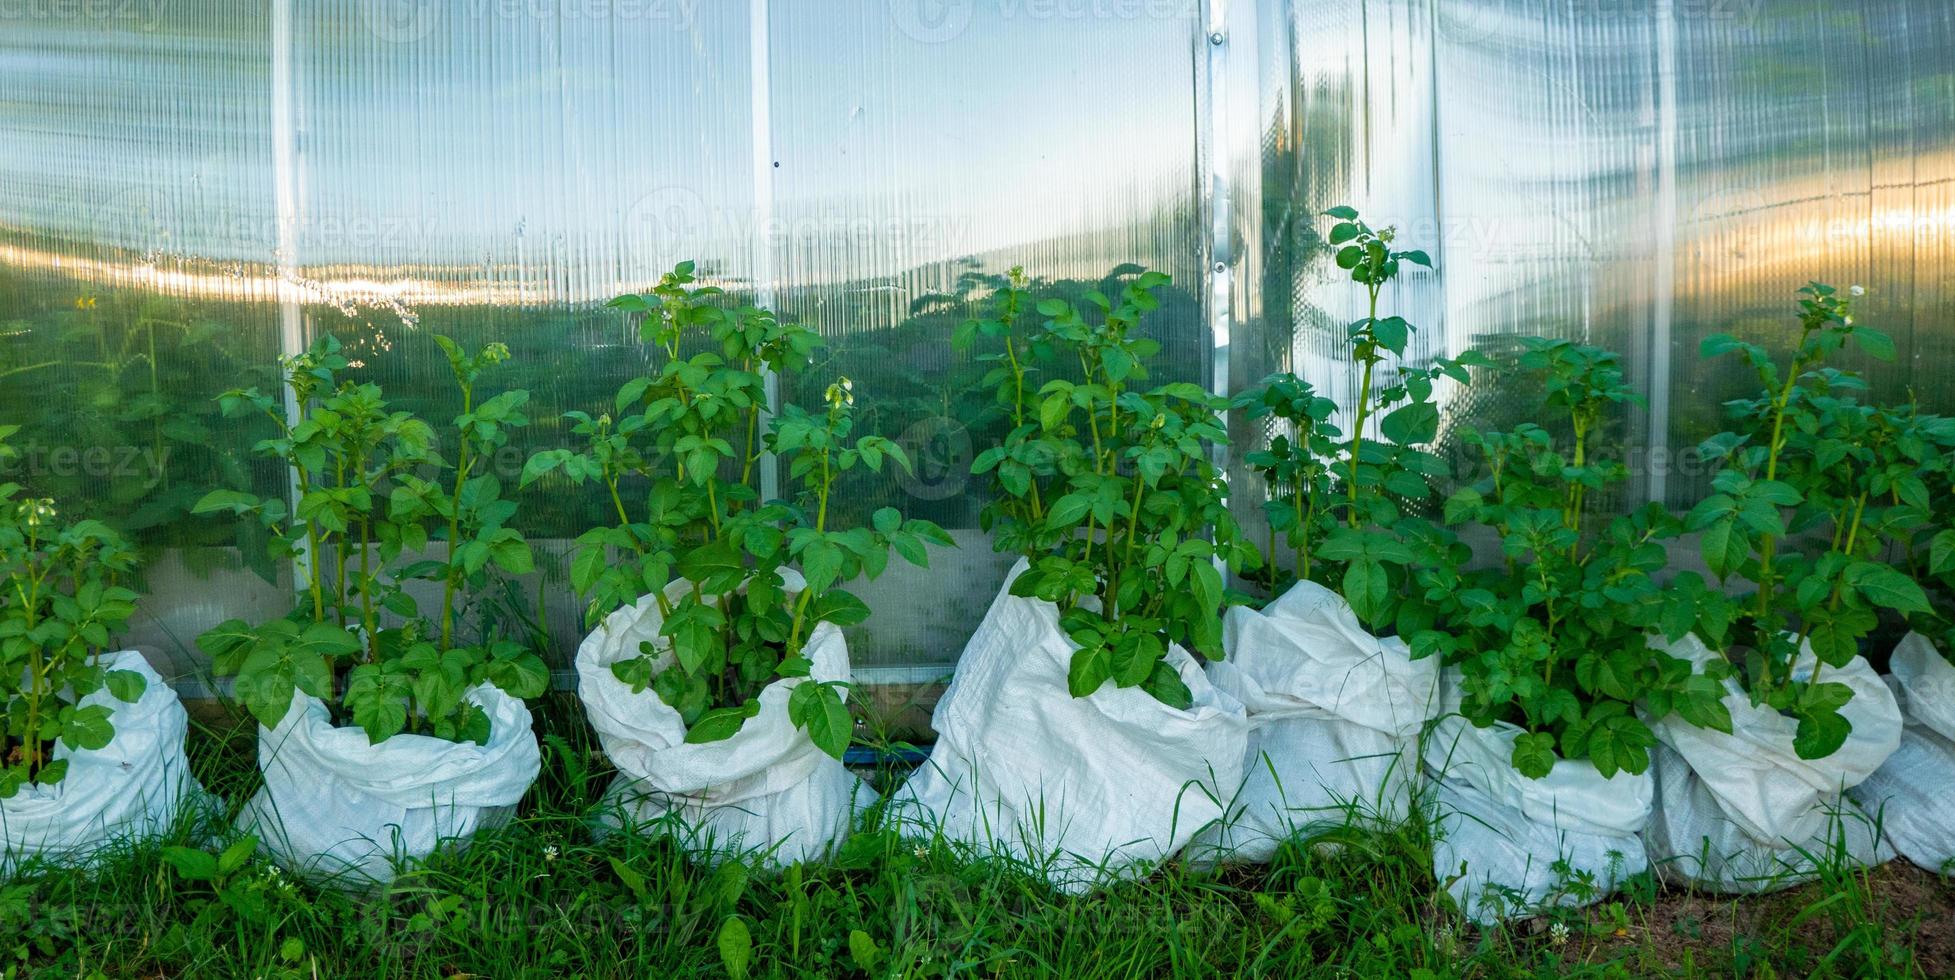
(190, 189)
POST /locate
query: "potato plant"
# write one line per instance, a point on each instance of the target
(60, 606)
(680, 464)
(1109, 491)
(1815, 487)
(1344, 501)
(1552, 638)
(1930, 556)
(374, 490)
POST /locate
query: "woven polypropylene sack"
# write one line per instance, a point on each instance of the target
(1506, 845)
(130, 789)
(1742, 812)
(1912, 796)
(766, 791)
(335, 806)
(1082, 790)
(1334, 719)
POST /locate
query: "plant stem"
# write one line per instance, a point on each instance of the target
(1371, 358)
(821, 527)
(30, 607)
(747, 456)
(156, 391)
(463, 463)
(339, 553)
(367, 616)
(1768, 544)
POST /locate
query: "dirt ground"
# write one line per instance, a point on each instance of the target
(1902, 909)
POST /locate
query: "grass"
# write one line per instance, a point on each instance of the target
(543, 897)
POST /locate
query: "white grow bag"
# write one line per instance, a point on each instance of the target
(1334, 719)
(130, 789)
(767, 789)
(1507, 846)
(1742, 812)
(1912, 796)
(336, 806)
(1084, 790)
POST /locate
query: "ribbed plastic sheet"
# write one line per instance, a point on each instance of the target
(226, 182)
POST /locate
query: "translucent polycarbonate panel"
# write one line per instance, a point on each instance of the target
(1345, 111)
(1633, 175)
(495, 173)
(1360, 134)
(1554, 219)
(224, 183)
(1814, 142)
(911, 150)
(136, 230)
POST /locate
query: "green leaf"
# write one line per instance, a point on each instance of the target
(818, 708)
(1090, 667)
(1412, 424)
(1534, 755)
(1208, 585)
(839, 607)
(233, 501)
(191, 864)
(235, 856)
(1887, 587)
(86, 727)
(542, 463)
(1718, 344)
(635, 673)
(736, 947)
(329, 639)
(1069, 509)
(719, 724)
(1941, 552)
(1462, 505)
(1164, 683)
(1053, 411)
(864, 951)
(587, 566)
(1392, 333)
(520, 674)
(634, 882)
(821, 563)
(512, 554)
(694, 628)
(1877, 345)
(382, 715)
(1619, 743)
(1821, 732)
(1367, 587)
(1723, 548)
(125, 685)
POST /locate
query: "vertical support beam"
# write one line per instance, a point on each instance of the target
(759, 55)
(1214, 159)
(1663, 247)
(285, 190)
